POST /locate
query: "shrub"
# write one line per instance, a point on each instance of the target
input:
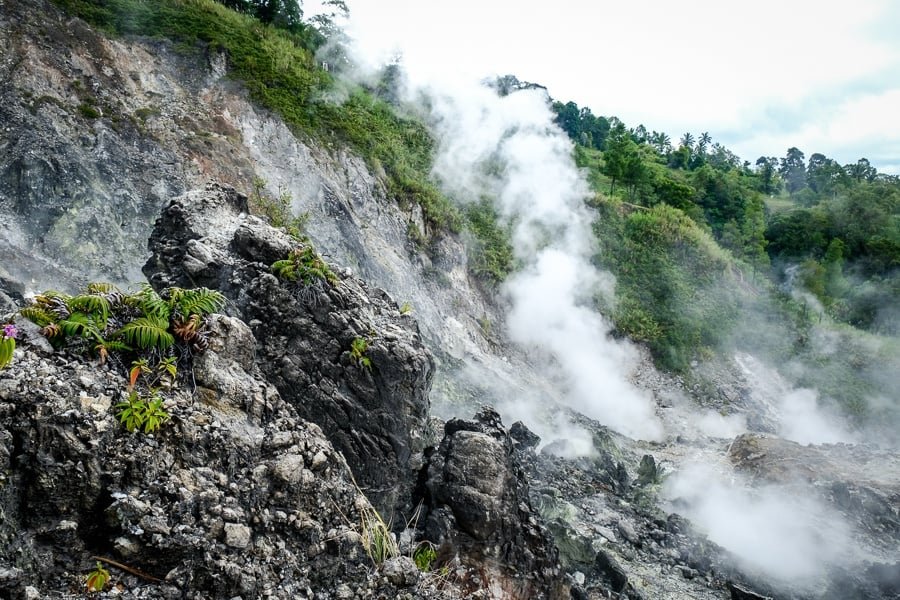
(305, 266)
(358, 348)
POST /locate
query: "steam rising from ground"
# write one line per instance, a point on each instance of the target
(785, 535)
(509, 149)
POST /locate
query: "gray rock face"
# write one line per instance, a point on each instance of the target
(479, 510)
(375, 415)
(235, 496)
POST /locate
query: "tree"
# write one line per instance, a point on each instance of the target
(568, 117)
(766, 167)
(793, 170)
(661, 142)
(823, 173)
(639, 134)
(622, 160)
(861, 170)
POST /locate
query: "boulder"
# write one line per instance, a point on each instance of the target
(374, 411)
(478, 509)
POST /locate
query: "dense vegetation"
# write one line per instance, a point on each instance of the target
(707, 248)
(797, 261)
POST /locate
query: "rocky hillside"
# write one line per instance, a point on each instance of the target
(317, 399)
(258, 485)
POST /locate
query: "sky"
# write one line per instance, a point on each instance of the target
(760, 77)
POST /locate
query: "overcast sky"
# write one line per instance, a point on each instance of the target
(758, 76)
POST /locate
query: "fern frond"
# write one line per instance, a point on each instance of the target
(79, 324)
(101, 288)
(49, 297)
(201, 301)
(38, 315)
(95, 306)
(147, 332)
(51, 330)
(285, 269)
(150, 303)
(117, 346)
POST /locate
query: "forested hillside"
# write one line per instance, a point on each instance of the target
(712, 252)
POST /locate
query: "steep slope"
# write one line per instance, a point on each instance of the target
(99, 133)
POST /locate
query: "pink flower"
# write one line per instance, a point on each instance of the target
(9, 330)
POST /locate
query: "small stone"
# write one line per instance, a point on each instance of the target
(607, 533)
(628, 532)
(236, 535)
(126, 546)
(289, 468)
(401, 571)
(319, 459)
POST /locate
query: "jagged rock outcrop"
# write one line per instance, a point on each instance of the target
(374, 413)
(235, 497)
(479, 513)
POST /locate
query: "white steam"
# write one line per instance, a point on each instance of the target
(510, 150)
(795, 410)
(788, 536)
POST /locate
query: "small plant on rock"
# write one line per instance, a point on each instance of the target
(144, 411)
(7, 344)
(151, 329)
(358, 348)
(138, 412)
(304, 265)
(277, 211)
(376, 536)
(97, 579)
(424, 556)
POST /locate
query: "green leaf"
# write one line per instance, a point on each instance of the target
(150, 303)
(147, 332)
(7, 346)
(80, 324)
(38, 315)
(201, 301)
(97, 307)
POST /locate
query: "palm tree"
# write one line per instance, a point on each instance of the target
(703, 142)
(661, 142)
(687, 140)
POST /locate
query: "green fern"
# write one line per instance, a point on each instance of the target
(201, 301)
(116, 346)
(147, 332)
(285, 269)
(81, 325)
(358, 348)
(304, 264)
(150, 303)
(101, 288)
(38, 315)
(97, 307)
